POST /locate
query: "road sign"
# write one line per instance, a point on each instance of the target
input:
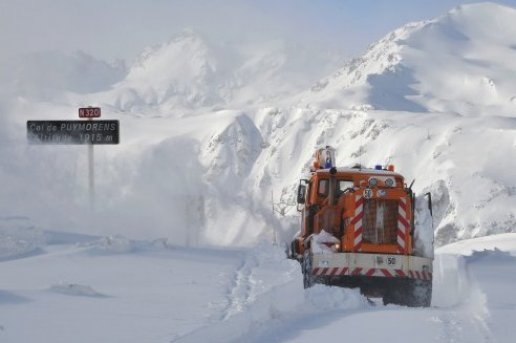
(73, 132)
(89, 112)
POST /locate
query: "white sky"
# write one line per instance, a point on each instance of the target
(123, 28)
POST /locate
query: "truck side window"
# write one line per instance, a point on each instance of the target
(344, 184)
(322, 188)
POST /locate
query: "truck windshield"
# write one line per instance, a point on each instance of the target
(342, 185)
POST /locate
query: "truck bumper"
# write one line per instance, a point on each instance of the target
(372, 265)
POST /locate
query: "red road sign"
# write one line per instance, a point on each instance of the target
(89, 112)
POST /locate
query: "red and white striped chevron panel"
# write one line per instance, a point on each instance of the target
(382, 272)
(403, 226)
(357, 223)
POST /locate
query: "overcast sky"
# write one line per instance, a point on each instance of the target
(111, 29)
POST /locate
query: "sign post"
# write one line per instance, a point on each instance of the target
(91, 177)
(77, 132)
(90, 113)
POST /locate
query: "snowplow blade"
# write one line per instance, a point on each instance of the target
(398, 279)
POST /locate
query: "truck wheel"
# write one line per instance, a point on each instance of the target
(409, 292)
(421, 293)
(293, 252)
(308, 278)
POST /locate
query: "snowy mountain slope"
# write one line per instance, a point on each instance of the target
(181, 69)
(458, 159)
(461, 161)
(456, 63)
(188, 72)
(185, 182)
(191, 72)
(452, 137)
(190, 172)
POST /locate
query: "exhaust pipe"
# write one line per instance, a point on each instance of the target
(332, 192)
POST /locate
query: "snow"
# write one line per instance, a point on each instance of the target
(18, 237)
(162, 293)
(159, 292)
(424, 229)
(461, 52)
(228, 162)
(319, 240)
(75, 289)
(503, 242)
(177, 247)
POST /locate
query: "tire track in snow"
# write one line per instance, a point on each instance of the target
(240, 294)
(264, 286)
(464, 324)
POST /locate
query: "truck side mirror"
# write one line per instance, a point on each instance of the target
(301, 190)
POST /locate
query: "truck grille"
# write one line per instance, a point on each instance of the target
(380, 221)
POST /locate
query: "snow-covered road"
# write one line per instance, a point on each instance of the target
(90, 289)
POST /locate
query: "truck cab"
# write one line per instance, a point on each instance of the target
(368, 210)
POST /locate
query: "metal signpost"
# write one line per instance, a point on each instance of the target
(78, 132)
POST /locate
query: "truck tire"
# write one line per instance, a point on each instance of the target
(308, 278)
(421, 293)
(293, 252)
(409, 292)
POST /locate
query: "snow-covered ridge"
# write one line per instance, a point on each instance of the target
(190, 72)
(194, 173)
(457, 62)
(180, 68)
(352, 81)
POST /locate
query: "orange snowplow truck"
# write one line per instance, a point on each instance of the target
(357, 230)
